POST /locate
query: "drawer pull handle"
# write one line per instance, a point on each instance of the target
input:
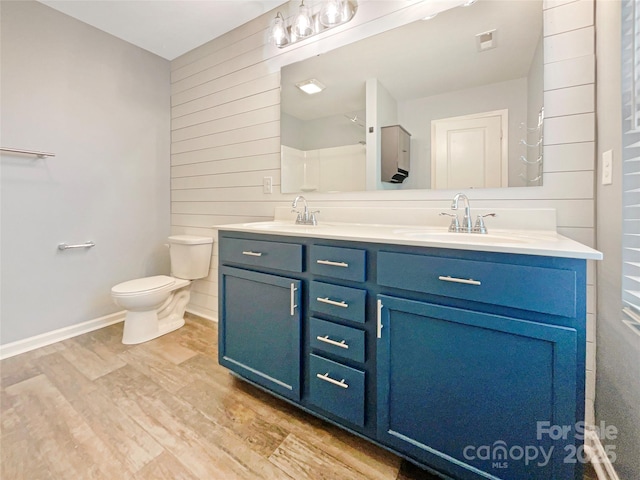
(252, 254)
(326, 339)
(333, 264)
(341, 303)
(379, 318)
(466, 281)
(292, 304)
(327, 378)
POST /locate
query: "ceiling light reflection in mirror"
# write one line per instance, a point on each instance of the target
(435, 78)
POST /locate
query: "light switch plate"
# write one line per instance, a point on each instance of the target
(607, 167)
(267, 185)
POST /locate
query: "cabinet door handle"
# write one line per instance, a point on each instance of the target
(332, 263)
(326, 339)
(252, 254)
(292, 301)
(466, 281)
(327, 378)
(379, 318)
(341, 303)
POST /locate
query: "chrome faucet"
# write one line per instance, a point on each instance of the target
(305, 217)
(466, 225)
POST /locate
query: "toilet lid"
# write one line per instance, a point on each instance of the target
(145, 284)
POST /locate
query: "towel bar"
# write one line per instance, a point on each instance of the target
(28, 152)
(64, 246)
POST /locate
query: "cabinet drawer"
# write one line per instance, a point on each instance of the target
(346, 342)
(538, 289)
(257, 253)
(337, 389)
(342, 302)
(338, 262)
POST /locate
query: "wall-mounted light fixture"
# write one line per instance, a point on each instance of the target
(302, 24)
(307, 23)
(279, 33)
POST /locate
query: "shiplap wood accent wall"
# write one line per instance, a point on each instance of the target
(226, 134)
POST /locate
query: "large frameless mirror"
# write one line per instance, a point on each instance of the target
(466, 86)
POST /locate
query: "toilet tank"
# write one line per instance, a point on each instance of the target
(190, 256)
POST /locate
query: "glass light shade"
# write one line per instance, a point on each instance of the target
(302, 25)
(279, 34)
(331, 13)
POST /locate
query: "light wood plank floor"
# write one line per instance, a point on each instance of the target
(93, 408)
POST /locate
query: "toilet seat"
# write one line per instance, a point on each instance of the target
(143, 285)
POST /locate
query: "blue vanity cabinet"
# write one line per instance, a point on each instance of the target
(478, 372)
(260, 336)
(456, 388)
(260, 313)
(465, 362)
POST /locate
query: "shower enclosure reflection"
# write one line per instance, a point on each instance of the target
(333, 169)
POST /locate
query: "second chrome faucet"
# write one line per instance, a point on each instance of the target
(305, 217)
(466, 226)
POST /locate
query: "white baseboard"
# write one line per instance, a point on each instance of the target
(198, 313)
(598, 456)
(21, 346)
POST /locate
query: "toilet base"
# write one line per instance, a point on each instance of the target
(142, 326)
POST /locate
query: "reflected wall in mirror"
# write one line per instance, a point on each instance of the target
(467, 85)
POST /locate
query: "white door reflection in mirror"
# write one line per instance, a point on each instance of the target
(470, 151)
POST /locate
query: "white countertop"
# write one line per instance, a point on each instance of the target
(502, 240)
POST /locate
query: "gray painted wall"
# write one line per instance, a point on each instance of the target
(618, 356)
(102, 106)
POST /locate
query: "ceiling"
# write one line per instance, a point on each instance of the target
(168, 28)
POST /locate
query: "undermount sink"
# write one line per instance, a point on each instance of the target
(275, 225)
(465, 237)
(461, 237)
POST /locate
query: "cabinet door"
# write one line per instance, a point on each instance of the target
(465, 391)
(259, 332)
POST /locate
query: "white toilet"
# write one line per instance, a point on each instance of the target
(155, 305)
